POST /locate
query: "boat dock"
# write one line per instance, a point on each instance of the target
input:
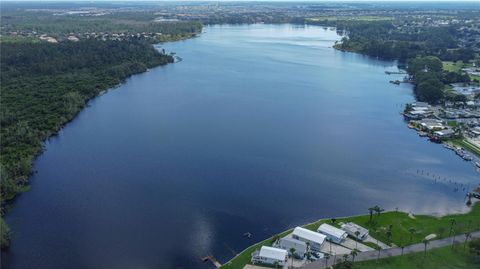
(213, 260)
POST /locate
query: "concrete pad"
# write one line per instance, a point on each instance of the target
(336, 249)
(351, 244)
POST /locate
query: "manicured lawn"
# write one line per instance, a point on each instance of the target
(439, 258)
(401, 223)
(245, 256)
(423, 225)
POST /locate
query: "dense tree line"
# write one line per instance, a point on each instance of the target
(386, 39)
(422, 49)
(45, 85)
(430, 79)
(134, 22)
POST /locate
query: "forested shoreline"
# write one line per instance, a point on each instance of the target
(420, 51)
(45, 85)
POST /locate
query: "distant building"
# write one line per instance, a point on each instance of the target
(475, 131)
(314, 239)
(352, 229)
(432, 124)
(419, 110)
(73, 38)
(270, 255)
(421, 105)
(333, 234)
(447, 133)
(288, 243)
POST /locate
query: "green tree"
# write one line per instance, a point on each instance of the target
(412, 231)
(425, 243)
(292, 254)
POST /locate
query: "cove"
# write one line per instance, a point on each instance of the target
(258, 129)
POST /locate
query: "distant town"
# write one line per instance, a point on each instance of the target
(454, 123)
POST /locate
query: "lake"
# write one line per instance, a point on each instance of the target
(258, 128)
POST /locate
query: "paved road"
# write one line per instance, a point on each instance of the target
(396, 251)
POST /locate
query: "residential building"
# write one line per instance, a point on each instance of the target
(355, 230)
(332, 233)
(289, 243)
(270, 255)
(314, 239)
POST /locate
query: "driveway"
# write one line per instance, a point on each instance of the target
(396, 251)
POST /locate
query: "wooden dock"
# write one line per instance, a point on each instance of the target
(212, 260)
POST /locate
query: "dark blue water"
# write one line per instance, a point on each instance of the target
(259, 128)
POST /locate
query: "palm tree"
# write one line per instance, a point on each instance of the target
(379, 210)
(453, 239)
(412, 231)
(345, 257)
(452, 223)
(425, 242)
(357, 234)
(292, 252)
(467, 235)
(371, 210)
(276, 238)
(327, 256)
(354, 253)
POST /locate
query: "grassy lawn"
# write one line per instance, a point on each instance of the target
(423, 225)
(244, 257)
(452, 123)
(460, 142)
(438, 258)
(452, 66)
(401, 223)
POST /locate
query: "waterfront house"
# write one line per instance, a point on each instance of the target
(333, 234)
(419, 110)
(447, 133)
(432, 124)
(355, 230)
(289, 243)
(270, 255)
(314, 239)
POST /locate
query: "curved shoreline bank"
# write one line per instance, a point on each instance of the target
(8, 200)
(472, 217)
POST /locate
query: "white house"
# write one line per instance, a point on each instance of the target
(269, 255)
(352, 229)
(333, 234)
(289, 243)
(444, 133)
(315, 239)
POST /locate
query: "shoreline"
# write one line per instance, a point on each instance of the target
(268, 241)
(7, 203)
